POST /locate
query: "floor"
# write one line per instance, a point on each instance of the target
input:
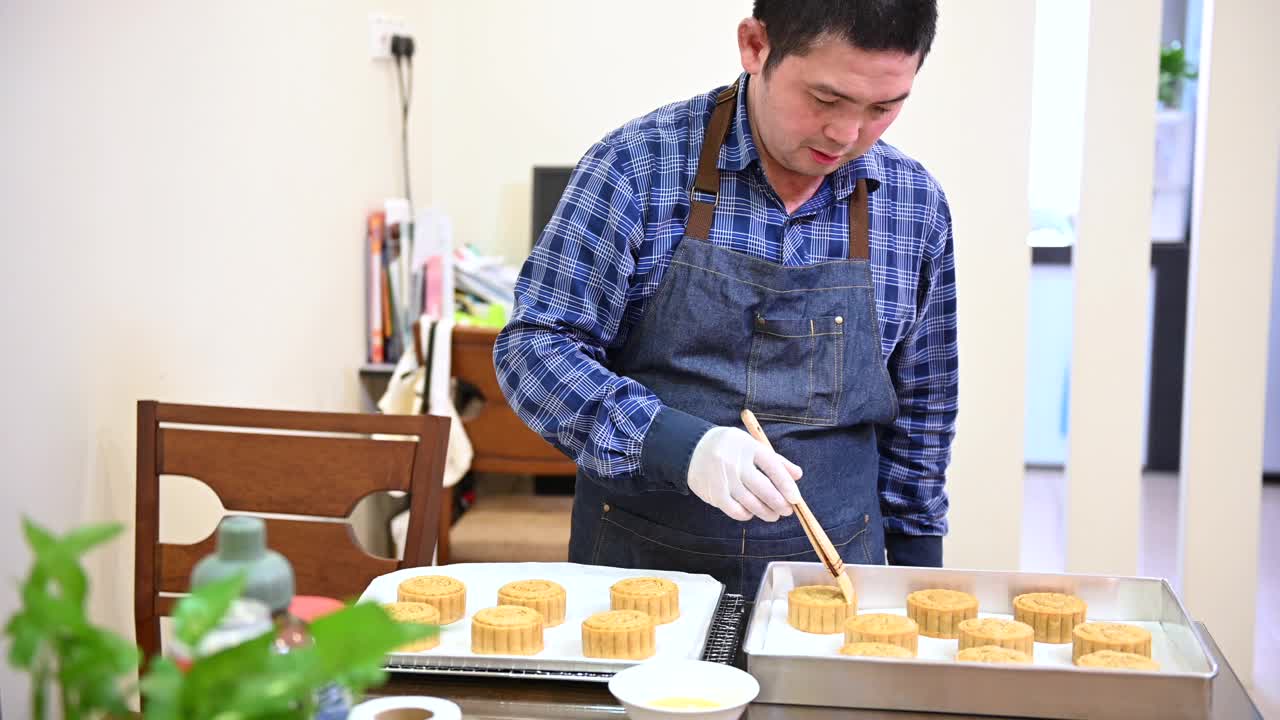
(1043, 550)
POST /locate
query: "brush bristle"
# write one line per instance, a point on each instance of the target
(846, 587)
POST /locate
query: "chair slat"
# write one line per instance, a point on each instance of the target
(309, 475)
(342, 571)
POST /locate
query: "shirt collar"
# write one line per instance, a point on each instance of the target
(739, 151)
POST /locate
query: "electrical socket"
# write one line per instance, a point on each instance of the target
(381, 27)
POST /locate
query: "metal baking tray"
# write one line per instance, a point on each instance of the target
(791, 674)
(720, 645)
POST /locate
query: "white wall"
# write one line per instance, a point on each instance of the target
(980, 153)
(1228, 300)
(1057, 105)
(518, 84)
(182, 195)
(1111, 272)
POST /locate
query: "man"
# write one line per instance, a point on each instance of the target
(756, 247)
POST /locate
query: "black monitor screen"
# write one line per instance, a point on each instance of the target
(549, 183)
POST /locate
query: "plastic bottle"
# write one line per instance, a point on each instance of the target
(242, 547)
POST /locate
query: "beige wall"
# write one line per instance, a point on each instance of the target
(1228, 298)
(980, 152)
(182, 192)
(518, 84)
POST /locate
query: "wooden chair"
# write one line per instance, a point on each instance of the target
(502, 444)
(321, 466)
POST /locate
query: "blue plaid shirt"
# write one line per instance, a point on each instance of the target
(609, 244)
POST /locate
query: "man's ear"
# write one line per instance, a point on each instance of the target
(753, 45)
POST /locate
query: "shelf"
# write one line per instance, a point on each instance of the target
(377, 368)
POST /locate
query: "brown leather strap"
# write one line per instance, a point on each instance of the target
(708, 179)
(702, 212)
(859, 223)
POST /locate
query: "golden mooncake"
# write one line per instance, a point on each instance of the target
(876, 649)
(1115, 660)
(417, 613)
(446, 594)
(1052, 615)
(619, 634)
(993, 631)
(506, 630)
(882, 627)
(658, 597)
(993, 654)
(939, 612)
(1094, 636)
(818, 609)
(544, 596)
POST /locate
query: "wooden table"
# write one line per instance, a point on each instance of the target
(502, 699)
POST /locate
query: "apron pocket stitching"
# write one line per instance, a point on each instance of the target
(837, 546)
(595, 551)
(670, 547)
(802, 420)
(813, 350)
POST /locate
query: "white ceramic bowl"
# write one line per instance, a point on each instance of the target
(640, 685)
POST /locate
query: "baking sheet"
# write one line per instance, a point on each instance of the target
(798, 668)
(587, 588)
(784, 640)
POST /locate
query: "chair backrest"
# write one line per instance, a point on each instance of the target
(301, 464)
(502, 442)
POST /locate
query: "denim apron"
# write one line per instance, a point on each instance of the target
(798, 346)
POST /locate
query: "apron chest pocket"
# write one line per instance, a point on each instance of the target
(796, 369)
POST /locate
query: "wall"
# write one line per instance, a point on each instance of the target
(515, 85)
(181, 199)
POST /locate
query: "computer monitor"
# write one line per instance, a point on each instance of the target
(549, 182)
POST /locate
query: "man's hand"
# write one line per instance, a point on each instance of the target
(742, 477)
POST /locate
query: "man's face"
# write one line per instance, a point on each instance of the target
(813, 113)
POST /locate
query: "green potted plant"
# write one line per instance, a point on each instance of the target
(79, 671)
(1174, 69)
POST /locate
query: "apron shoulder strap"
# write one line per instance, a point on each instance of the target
(859, 223)
(707, 181)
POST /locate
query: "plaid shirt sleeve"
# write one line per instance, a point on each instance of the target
(570, 301)
(916, 449)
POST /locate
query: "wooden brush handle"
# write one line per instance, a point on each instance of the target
(817, 536)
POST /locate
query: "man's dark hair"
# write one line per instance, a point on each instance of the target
(794, 25)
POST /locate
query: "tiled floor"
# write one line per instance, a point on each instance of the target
(1043, 538)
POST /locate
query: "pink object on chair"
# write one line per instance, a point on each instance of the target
(308, 608)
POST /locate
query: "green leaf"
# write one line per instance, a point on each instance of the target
(81, 540)
(39, 539)
(162, 690)
(52, 614)
(211, 679)
(25, 639)
(286, 687)
(63, 569)
(202, 610)
(362, 635)
(95, 653)
(40, 689)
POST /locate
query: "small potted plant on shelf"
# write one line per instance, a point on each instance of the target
(79, 671)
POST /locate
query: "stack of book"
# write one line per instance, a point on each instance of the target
(413, 270)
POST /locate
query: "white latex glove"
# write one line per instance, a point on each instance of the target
(730, 470)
